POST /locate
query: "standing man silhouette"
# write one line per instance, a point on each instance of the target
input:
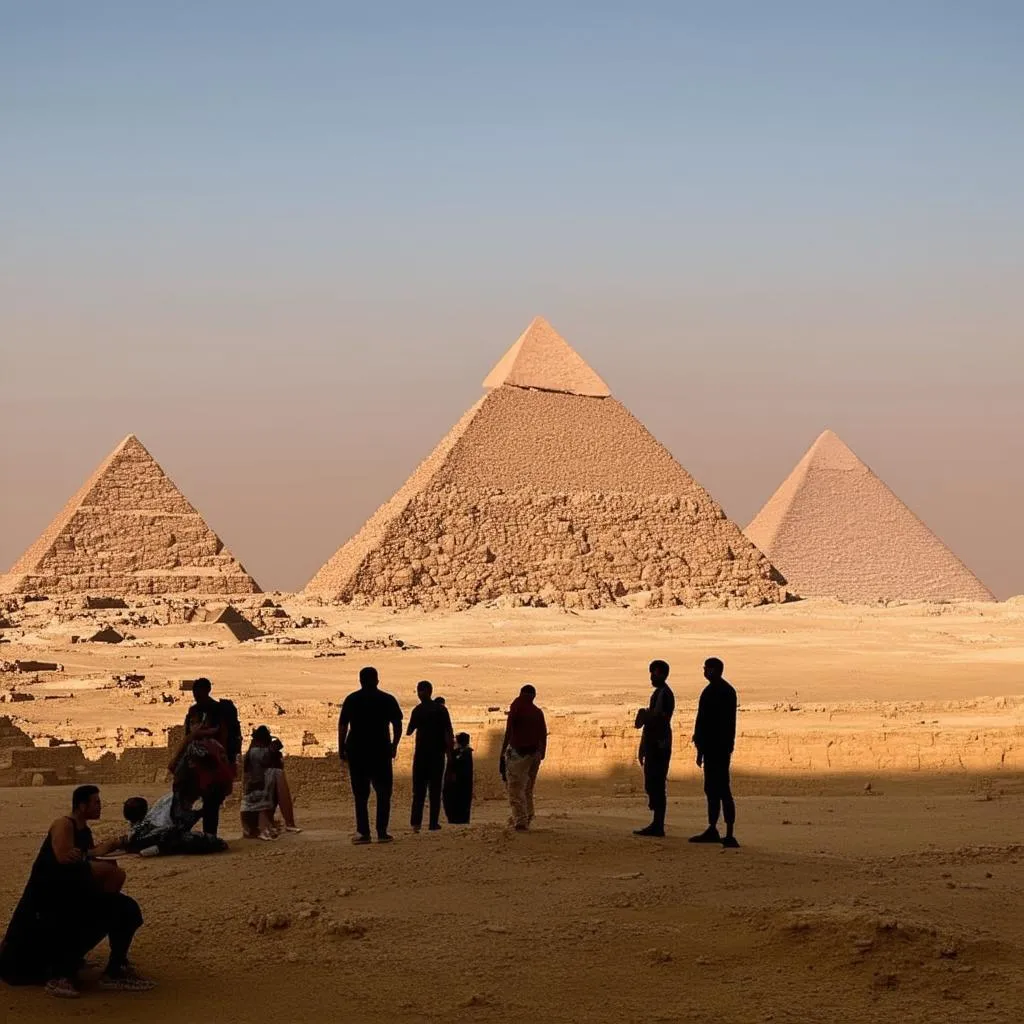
(369, 731)
(432, 725)
(656, 747)
(714, 735)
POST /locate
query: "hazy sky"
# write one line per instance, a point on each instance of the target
(284, 242)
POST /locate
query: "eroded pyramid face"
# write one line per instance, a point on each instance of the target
(548, 491)
(128, 530)
(834, 529)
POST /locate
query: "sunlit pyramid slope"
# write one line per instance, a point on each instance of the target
(128, 530)
(548, 491)
(834, 529)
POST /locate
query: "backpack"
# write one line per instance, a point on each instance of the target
(232, 730)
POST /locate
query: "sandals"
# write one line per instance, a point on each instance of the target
(62, 988)
(128, 981)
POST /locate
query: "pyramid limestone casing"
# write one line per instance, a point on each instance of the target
(554, 497)
(128, 530)
(834, 529)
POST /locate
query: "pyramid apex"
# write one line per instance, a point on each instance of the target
(830, 451)
(541, 358)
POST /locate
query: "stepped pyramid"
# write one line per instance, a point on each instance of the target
(834, 529)
(128, 530)
(548, 491)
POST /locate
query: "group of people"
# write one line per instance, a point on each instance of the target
(73, 898)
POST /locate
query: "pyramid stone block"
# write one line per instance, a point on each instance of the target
(834, 529)
(128, 530)
(548, 490)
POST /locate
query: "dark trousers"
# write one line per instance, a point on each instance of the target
(717, 788)
(656, 784)
(427, 774)
(115, 917)
(212, 801)
(376, 773)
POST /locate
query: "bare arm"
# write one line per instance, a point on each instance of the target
(62, 838)
(109, 846)
(544, 741)
(342, 732)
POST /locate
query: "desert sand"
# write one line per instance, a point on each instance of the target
(878, 778)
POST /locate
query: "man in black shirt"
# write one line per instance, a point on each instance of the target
(209, 718)
(714, 735)
(656, 747)
(432, 725)
(369, 731)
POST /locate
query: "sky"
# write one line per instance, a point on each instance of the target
(284, 243)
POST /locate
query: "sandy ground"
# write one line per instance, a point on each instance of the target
(903, 906)
(902, 902)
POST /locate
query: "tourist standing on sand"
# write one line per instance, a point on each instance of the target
(458, 783)
(215, 720)
(432, 726)
(523, 749)
(714, 735)
(369, 731)
(655, 753)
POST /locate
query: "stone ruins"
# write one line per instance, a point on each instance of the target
(834, 529)
(549, 492)
(128, 531)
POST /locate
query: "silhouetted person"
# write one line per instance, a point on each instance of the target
(71, 903)
(216, 720)
(523, 748)
(714, 735)
(458, 783)
(656, 747)
(369, 731)
(432, 726)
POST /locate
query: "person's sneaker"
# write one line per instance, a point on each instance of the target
(416, 829)
(731, 842)
(435, 828)
(708, 836)
(651, 830)
(125, 981)
(359, 840)
(385, 838)
(150, 851)
(293, 829)
(522, 828)
(62, 988)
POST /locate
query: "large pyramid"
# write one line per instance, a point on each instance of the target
(834, 529)
(128, 530)
(549, 491)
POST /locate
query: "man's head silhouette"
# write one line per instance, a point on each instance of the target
(713, 669)
(424, 689)
(368, 678)
(529, 692)
(659, 673)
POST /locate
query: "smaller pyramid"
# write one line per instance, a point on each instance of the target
(128, 530)
(544, 360)
(834, 529)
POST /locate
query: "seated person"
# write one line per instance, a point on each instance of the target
(265, 788)
(166, 828)
(72, 901)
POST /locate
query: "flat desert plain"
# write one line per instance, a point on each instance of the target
(879, 777)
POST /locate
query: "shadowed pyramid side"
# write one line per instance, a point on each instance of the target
(834, 529)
